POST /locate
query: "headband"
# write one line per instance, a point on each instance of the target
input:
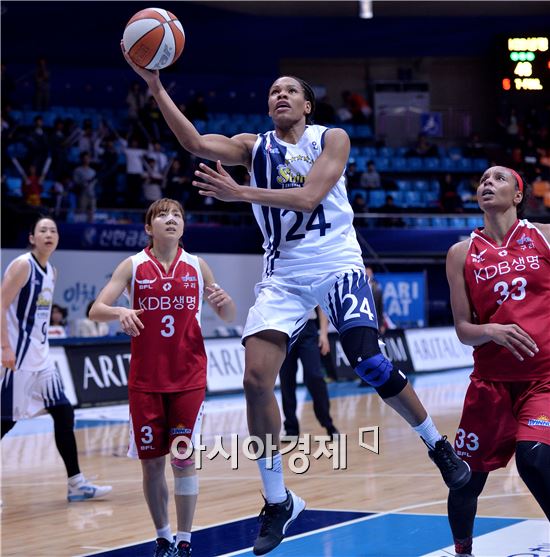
(518, 178)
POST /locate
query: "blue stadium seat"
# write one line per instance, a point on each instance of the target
(457, 222)
(474, 222)
(434, 186)
(431, 163)
(354, 151)
(363, 131)
(431, 198)
(454, 152)
(414, 163)
(382, 163)
(439, 222)
(14, 186)
(413, 198)
(369, 152)
(401, 151)
(377, 198)
(421, 222)
(47, 186)
(421, 185)
(399, 164)
(354, 193)
(464, 165)
(361, 163)
(403, 185)
(385, 152)
(480, 164)
(447, 164)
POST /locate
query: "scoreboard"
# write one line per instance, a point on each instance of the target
(525, 65)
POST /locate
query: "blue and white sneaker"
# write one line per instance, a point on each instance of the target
(86, 491)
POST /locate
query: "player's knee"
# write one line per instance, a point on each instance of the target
(152, 467)
(186, 485)
(532, 458)
(182, 463)
(379, 373)
(256, 383)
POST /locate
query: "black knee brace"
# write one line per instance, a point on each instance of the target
(360, 345)
(533, 461)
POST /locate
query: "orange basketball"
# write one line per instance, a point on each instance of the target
(153, 38)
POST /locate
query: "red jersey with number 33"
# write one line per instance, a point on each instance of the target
(168, 355)
(510, 284)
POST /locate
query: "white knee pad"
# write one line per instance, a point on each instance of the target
(188, 485)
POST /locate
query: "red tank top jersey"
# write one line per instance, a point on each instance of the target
(169, 354)
(511, 284)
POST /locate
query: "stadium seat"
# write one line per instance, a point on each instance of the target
(403, 185)
(414, 163)
(385, 152)
(399, 164)
(377, 198)
(369, 152)
(413, 198)
(14, 186)
(382, 164)
(421, 185)
(431, 163)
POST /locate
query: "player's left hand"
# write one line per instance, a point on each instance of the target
(324, 345)
(217, 183)
(217, 295)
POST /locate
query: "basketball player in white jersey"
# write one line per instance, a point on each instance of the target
(312, 257)
(31, 384)
(167, 381)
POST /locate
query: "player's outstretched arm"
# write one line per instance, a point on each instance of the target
(218, 299)
(232, 151)
(103, 309)
(16, 277)
(322, 177)
(511, 336)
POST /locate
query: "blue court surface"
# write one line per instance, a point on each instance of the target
(322, 533)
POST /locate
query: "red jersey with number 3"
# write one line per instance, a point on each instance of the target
(510, 284)
(168, 355)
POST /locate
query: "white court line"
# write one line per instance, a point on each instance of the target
(372, 517)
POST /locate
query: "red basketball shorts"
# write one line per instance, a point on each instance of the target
(496, 415)
(156, 419)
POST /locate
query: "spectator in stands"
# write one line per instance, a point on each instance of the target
(378, 299)
(85, 182)
(157, 154)
(85, 327)
(353, 176)
(135, 101)
(196, 108)
(355, 109)
(37, 143)
(41, 85)
(32, 182)
(153, 180)
(151, 118)
(390, 207)
(58, 149)
(325, 114)
(134, 170)
(450, 201)
(108, 172)
(359, 206)
(61, 190)
(58, 322)
(177, 182)
(422, 148)
(370, 179)
(474, 148)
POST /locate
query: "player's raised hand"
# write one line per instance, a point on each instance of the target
(130, 322)
(217, 183)
(514, 338)
(8, 357)
(150, 76)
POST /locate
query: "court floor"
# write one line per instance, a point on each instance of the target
(359, 502)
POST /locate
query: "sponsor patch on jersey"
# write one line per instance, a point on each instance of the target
(167, 286)
(526, 242)
(188, 278)
(478, 257)
(503, 253)
(542, 420)
(180, 430)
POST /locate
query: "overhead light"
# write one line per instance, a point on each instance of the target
(365, 9)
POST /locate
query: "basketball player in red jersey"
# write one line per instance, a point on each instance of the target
(167, 380)
(500, 295)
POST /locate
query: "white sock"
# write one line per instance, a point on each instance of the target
(183, 537)
(272, 478)
(428, 432)
(165, 533)
(77, 480)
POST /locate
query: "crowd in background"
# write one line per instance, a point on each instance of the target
(73, 167)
